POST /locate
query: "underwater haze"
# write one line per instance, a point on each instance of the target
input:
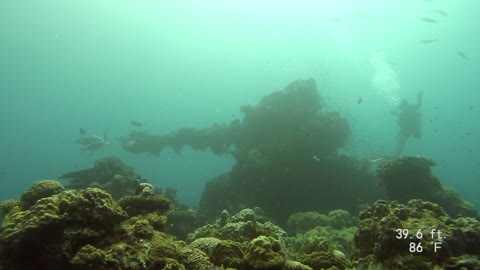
(97, 65)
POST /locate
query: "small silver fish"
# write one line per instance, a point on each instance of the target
(335, 20)
(426, 41)
(439, 11)
(364, 16)
(137, 123)
(427, 19)
(463, 56)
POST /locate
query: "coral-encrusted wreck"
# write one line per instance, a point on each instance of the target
(286, 156)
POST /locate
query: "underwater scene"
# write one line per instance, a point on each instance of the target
(247, 135)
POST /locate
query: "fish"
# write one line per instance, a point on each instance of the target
(426, 41)
(335, 20)
(95, 146)
(137, 123)
(360, 100)
(364, 16)
(376, 160)
(92, 142)
(439, 11)
(427, 19)
(375, 157)
(463, 56)
(2, 172)
(88, 139)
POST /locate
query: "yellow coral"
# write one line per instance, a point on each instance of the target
(264, 252)
(39, 190)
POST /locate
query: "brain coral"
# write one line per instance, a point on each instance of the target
(264, 252)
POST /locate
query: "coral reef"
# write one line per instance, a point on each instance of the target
(30, 238)
(87, 229)
(294, 265)
(222, 252)
(340, 239)
(264, 252)
(323, 241)
(411, 178)
(301, 222)
(6, 207)
(383, 243)
(181, 221)
(39, 190)
(336, 228)
(229, 253)
(241, 227)
(110, 174)
(90, 257)
(339, 219)
(146, 202)
(229, 240)
(319, 254)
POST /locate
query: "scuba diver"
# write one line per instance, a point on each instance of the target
(409, 122)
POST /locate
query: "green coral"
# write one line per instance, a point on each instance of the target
(91, 207)
(377, 243)
(318, 253)
(39, 190)
(6, 207)
(301, 222)
(138, 247)
(181, 221)
(294, 265)
(164, 246)
(341, 239)
(339, 219)
(242, 227)
(157, 221)
(455, 205)
(398, 176)
(196, 259)
(264, 252)
(144, 203)
(206, 244)
(229, 254)
(55, 226)
(91, 258)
